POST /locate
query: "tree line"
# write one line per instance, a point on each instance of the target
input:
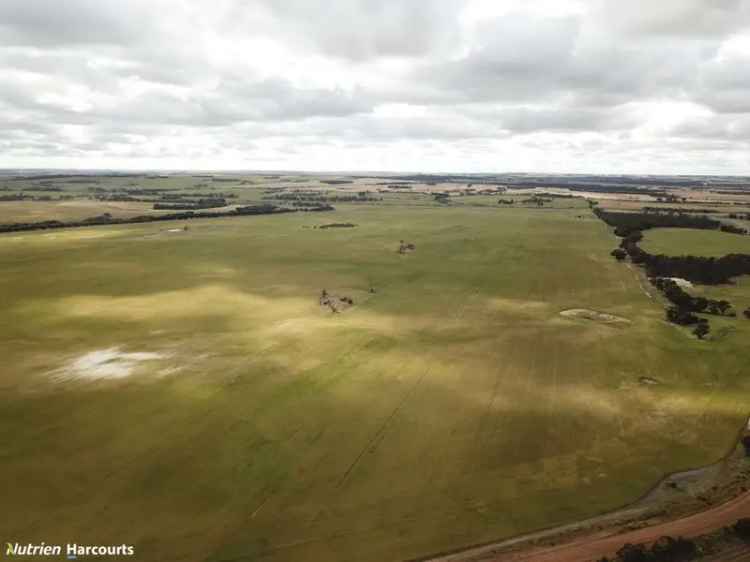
(182, 205)
(659, 267)
(107, 219)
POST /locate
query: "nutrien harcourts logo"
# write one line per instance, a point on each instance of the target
(72, 550)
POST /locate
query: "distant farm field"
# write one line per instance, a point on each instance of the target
(185, 392)
(680, 241)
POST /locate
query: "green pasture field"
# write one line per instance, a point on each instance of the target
(682, 241)
(453, 405)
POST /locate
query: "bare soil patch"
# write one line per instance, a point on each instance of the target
(594, 316)
(406, 247)
(110, 363)
(335, 303)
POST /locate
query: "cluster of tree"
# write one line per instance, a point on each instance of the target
(188, 195)
(742, 528)
(739, 216)
(443, 198)
(674, 210)
(47, 187)
(119, 198)
(562, 196)
(671, 198)
(108, 219)
(738, 191)
(505, 201)
(82, 180)
(731, 229)
(627, 223)
(592, 187)
(705, 270)
(746, 313)
(69, 176)
(131, 191)
(684, 301)
(698, 269)
(536, 200)
(670, 549)
(683, 317)
(191, 205)
(22, 197)
(746, 445)
(336, 182)
(321, 198)
(666, 549)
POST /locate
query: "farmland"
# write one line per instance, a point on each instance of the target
(672, 241)
(184, 391)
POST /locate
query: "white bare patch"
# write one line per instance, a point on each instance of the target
(175, 230)
(593, 315)
(682, 283)
(108, 363)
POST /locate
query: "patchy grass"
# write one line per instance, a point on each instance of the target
(452, 406)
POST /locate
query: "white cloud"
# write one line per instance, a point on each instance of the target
(450, 85)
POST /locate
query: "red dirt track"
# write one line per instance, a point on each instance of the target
(594, 547)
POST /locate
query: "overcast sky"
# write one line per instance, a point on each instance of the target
(612, 86)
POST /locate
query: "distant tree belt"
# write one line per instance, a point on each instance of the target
(70, 176)
(675, 210)
(191, 205)
(109, 220)
(41, 188)
(320, 198)
(731, 229)
(627, 223)
(217, 195)
(698, 269)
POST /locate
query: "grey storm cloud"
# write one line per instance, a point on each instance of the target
(115, 80)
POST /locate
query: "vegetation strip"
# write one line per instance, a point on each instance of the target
(663, 269)
(107, 219)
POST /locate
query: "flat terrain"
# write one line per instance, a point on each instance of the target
(184, 390)
(679, 241)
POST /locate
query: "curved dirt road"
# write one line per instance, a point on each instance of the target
(595, 546)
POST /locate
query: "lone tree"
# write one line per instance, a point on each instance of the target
(701, 330)
(619, 254)
(747, 313)
(669, 548)
(632, 553)
(742, 528)
(724, 306)
(746, 444)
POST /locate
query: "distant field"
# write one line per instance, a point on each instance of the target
(236, 419)
(679, 241)
(32, 211)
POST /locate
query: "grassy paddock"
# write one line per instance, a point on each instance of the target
(452, 406)
(681, 241)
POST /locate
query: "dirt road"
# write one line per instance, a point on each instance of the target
(595, 546)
